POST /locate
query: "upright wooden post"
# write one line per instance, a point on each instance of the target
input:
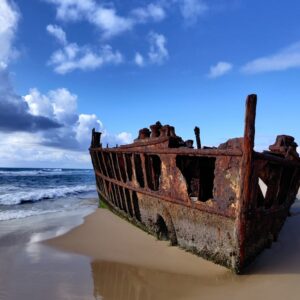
(246, 176)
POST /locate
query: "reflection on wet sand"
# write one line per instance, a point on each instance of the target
(117, 281)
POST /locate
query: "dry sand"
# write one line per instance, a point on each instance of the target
(126, 263)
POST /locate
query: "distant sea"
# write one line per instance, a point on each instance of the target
(29, 192)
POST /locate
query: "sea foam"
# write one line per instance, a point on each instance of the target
(20, 214)
(34, 195)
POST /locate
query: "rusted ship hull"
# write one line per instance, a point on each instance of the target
(207, 201)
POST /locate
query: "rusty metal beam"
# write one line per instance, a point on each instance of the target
(278, 160)
(199, 206)
(179, 151)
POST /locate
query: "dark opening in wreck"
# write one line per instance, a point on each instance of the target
(225, 204)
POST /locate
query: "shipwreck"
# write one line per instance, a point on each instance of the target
(225, 204)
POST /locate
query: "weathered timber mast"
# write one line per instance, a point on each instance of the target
(225, 204)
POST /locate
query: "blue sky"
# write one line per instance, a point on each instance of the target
(69, 65)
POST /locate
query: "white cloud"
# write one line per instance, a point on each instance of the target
(220, 69)
(139, 60)
(72, 57)
(39, 105)
(152, 12)
(58, 33)
(124, 138)
(117, 139)
(73, 10)
(191, 10)
(64, 105)
(34, 154)
(57, 104)
(106, 17)
(109, 22)
(285, 59)
(158, 52)
(60, 105)
(9, 18)
(85, 125)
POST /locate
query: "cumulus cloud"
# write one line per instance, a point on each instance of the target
(284, 59)
(139, 59)
(9, 18)
(109, 22)
(72, 56)
(84, 125)
(75, 133)
(59, 104)
(73, 10)
(105, 17)
(34, 154)
(158, 52)
(58, 33)
(152, 12)
(15, 113)
(191, 10)
(220, 69)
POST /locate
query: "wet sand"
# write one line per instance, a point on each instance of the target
(108, 258)
(30, 270)
(127, 263)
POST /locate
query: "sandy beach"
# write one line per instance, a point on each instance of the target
(106, 257)
(127, 263)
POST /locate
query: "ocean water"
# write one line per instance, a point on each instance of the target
(30, 192)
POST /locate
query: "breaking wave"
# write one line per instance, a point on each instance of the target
(42, 194)
(19, 214)
(41, 172)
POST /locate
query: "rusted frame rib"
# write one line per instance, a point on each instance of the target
(118, 167)
(180, 151)
(125, 166)
(104, 186)
(112, 165)
(166, 198)
(99, 191)
(104, 163)
(142, 156)
(99, 164)
(119, 191)
(125, 199)
(132, 205)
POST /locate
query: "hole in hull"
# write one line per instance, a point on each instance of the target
(199, 176)
(162, 229)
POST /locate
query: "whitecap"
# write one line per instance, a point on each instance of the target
(20, 214)
(34, 195)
